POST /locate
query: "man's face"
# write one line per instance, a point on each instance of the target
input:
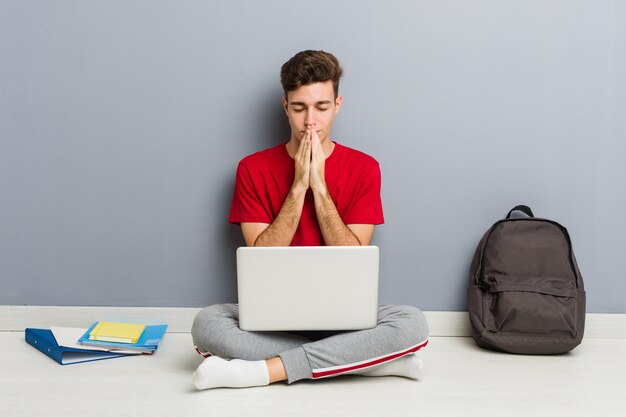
(312, 105)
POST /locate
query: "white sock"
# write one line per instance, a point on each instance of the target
(408, 366)
(216, 372)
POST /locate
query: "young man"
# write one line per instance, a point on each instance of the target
(310, 191)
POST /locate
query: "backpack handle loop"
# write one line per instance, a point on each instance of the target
(524, 209)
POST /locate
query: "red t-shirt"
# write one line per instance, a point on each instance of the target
(265, 178)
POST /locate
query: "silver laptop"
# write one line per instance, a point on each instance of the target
(307, 287)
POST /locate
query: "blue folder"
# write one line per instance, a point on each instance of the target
(44, 341)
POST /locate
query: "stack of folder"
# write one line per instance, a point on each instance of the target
(134, 337)
(103, 340)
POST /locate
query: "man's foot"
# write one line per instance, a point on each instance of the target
(408, 366)
(216, 372)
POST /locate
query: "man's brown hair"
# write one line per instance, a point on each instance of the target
(308, 67)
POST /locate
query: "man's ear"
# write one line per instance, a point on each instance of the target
(285, 105)
(338, 102)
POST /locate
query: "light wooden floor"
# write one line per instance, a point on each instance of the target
(460, 380)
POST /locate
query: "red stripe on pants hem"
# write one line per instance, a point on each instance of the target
(378, 361)
(206, 355)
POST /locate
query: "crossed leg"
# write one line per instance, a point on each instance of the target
(260, 358)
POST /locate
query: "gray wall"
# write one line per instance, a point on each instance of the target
(121, 124)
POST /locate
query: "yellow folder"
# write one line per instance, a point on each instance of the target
(108, 331)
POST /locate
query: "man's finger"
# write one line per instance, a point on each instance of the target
(316, 143)
(308, 150)
(314, 134)
(302, 146)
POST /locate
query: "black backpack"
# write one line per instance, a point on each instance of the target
(526, 294)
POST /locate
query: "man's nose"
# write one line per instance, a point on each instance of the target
(309, 120)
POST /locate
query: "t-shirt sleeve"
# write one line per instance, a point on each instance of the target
(246, 205)
(367, 206)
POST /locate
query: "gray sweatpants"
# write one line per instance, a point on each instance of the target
(309, 355)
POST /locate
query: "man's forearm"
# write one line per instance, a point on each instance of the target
(283, 228)
(334, 230)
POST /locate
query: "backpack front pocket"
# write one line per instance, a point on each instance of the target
(530, 305)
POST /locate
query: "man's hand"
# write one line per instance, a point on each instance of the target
(310, 160)
(317, 180)
(303, 163)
